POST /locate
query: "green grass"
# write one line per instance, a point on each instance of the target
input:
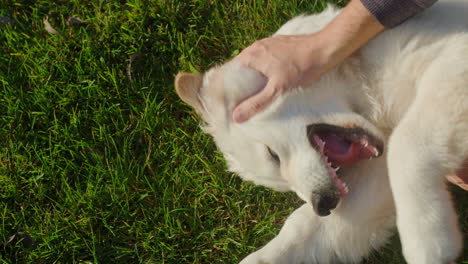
(98, 168)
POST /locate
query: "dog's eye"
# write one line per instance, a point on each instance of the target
(273, 154)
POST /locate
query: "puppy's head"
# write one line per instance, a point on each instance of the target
(296, 144)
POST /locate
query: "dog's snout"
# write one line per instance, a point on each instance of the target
(324, 203)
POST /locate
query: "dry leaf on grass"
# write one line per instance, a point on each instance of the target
(25, 238)
(4, 20)
(133, 57)
(76, 21)
(49, 28)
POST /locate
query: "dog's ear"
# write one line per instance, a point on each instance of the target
(188, 86)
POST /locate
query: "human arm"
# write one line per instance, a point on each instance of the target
(292, 61)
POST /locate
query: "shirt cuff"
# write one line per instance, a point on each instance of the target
(391, 13)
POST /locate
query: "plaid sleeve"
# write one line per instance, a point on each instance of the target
(391, 13)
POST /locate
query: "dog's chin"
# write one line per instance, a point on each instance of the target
(342, 147)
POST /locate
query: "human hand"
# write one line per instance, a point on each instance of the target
(460, 177)
(291, 61)
(287, 62)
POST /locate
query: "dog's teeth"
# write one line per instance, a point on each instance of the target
(376, 152)
(320, 142)
(364, 142)
(345, 187)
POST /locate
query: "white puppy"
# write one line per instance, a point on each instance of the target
(407, 91)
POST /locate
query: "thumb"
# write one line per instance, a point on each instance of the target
(256, 103)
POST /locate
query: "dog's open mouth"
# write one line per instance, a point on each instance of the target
(342, 147)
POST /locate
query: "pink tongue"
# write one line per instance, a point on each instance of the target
(336, 144)
(342, 152)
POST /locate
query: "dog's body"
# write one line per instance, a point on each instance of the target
(406, 90)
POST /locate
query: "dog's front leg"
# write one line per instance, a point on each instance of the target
(418, 159)
(308, 238)
(290, 245)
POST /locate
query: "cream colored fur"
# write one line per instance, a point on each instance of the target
(408, 87)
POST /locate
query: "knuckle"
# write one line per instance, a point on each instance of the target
(257, 106)
(275, 89)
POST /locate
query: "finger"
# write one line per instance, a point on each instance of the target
(464, 186)
(256, 103)
(455, 179)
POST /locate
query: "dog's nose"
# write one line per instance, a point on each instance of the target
(324, 203)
